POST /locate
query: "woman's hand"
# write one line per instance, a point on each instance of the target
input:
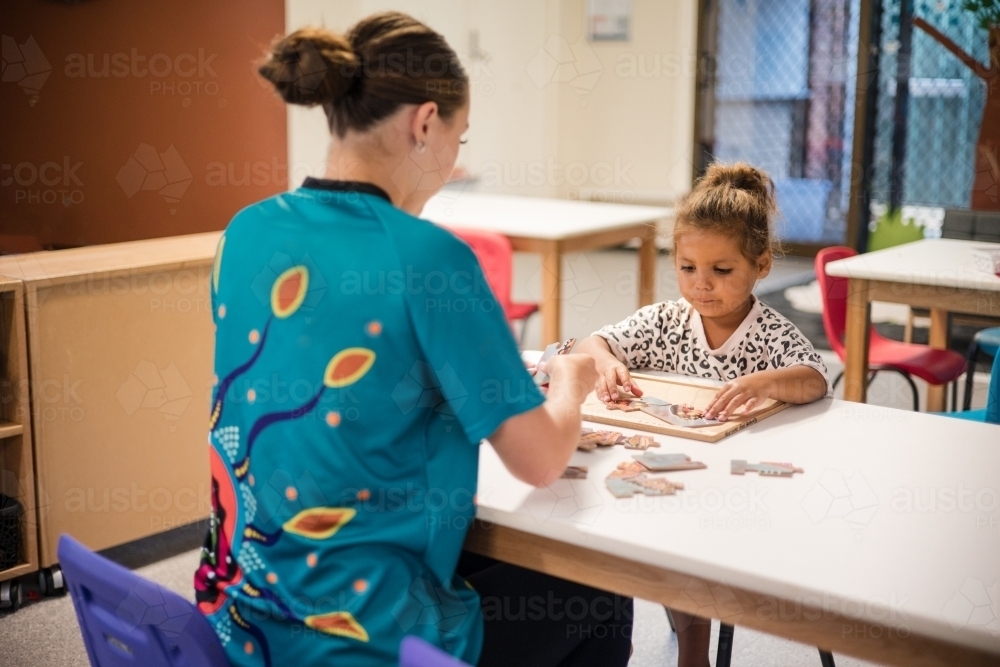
(612, 373)
(747, 391)
(572, 373)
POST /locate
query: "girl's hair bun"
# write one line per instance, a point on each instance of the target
(736, 199)
(740, 176)
(312, 66)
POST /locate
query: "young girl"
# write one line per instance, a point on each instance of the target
(718, 329)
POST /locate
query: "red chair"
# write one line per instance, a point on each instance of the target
(496, 256)
(932, 365)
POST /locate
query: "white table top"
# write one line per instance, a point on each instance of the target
(941, 262)
(896, 519)
(534, 217)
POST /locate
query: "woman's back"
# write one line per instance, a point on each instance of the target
(344, 447)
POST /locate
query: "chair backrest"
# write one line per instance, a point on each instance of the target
(496, 256)
(972, 225)
(834, 292)
(127, 620)
(415, 652)
(993, 398)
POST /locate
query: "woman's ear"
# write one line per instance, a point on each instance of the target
(421, 122)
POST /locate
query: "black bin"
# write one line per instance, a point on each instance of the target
(10, 532)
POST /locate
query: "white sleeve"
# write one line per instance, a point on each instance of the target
(640, 340)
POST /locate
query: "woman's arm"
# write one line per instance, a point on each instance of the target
(611, 372)
(535, 446)
(794, 384)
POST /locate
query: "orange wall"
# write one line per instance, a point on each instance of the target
(157, 143)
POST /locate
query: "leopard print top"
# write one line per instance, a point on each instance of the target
(669, 336)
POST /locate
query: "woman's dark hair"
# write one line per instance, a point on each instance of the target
(385, 61)
(734, 199)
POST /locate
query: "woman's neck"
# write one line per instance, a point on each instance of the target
(353, 161)
(719, 329)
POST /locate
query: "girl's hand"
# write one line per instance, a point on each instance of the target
(613, 373)
(747, 391)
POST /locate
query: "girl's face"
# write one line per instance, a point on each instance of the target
(712, 273)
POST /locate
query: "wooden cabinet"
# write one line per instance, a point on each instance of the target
(17, 471)
(120, 342)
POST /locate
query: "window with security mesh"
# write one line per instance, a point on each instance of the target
(927, 163)
(783, 100)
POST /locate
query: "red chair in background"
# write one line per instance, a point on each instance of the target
(932, 365)
(496, 256)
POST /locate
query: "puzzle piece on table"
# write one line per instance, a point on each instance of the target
(628, 469)
(659, 484)
(588, 440)
(640, 442)
(627, 487)
(664, 462)
(608, 438)
(765, 468)
(575, 472)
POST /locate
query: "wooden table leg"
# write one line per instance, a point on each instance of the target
(551, 293)
(647, 266)
(856, 341)
(938, 338)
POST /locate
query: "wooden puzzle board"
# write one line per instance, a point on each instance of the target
(675, 391)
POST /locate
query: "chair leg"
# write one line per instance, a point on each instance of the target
(670, 620)
(725, 653)
(826, 658)
(970, 371)
(913, 388)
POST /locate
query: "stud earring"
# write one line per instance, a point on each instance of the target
(421, 147)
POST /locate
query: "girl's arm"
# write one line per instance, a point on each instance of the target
(611, 372)
(535, 446)
(794, 384)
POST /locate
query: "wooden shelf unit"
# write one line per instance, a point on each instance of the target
(17, 470)
(120, 344)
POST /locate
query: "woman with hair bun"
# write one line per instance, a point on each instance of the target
(718, 330)
(357, 353)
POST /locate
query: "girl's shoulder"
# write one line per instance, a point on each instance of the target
(775, 325)
(668, 314)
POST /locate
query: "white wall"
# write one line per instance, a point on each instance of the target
(552, 114)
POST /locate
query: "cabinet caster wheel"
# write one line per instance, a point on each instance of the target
(10, 595)
(50, 581)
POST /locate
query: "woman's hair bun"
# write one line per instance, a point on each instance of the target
(312, 66)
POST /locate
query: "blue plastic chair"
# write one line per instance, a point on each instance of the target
(986, 341)
(991, 414)
(127, 620)
(415, 652)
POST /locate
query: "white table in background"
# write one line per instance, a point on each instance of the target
(553, 227)
(937, 274)
(887, 547)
